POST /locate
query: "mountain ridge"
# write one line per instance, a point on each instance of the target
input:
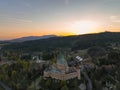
(74, 42)
(29, 38)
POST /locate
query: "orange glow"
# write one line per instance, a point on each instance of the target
(17, 34)
(83, 27)
(77, 27)
(65, 34)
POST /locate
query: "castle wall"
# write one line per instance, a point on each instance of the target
(61, 76)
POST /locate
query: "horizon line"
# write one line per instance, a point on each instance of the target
(56, 35)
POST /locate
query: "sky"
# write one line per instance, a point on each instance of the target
(20, 18)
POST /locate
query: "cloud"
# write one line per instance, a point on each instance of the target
(24, 20)
(19, 20)
(115, 19)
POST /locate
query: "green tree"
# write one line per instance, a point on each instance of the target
(47, 84)
(75, 83)
(42, 82)
(1, 76)
(64, 87)
(118, 86)
(14, 75)
(63, 83)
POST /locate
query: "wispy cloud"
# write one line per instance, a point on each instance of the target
(19, 20)
(24, 20)
(115, 19)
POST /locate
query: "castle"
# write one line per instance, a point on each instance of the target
(61, 71)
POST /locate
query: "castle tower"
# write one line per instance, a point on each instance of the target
(62, 63)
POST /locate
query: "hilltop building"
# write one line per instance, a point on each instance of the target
(61, 71)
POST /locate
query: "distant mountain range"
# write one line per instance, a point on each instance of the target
(29, 38)
(74, 42)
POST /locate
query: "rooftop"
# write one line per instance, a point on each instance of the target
(61, 60)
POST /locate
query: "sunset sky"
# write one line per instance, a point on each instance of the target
(20, 18)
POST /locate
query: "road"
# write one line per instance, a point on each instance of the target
(89, 84)
(5, 86)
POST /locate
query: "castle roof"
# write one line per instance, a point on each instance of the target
(61, 60)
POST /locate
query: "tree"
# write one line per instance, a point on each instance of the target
(118, 86)
(42, 82)
(47, 84)
(75, 83)
(114, 57)
(95, 53)
(1, 77)
(14, 75)
(63, 83)
(64, 87)
(0, 59)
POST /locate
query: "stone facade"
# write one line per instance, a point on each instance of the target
(61, 71)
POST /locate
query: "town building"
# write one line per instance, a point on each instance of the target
(61, 71)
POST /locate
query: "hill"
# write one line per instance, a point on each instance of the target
(74, 42)
(29, 38)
